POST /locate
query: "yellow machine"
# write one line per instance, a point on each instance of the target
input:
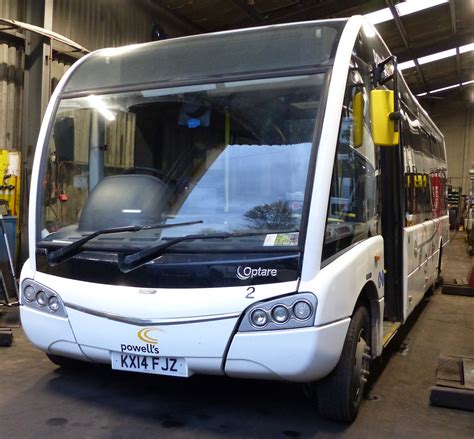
(10, 166)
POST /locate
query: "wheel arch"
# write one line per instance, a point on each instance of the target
(369, 298)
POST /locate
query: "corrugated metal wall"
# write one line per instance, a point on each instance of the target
(101, 23)
(58, 69)
(119, 137)
(109, 23)
(92, 23)
(12, 62)
(13, 9)
(11, 81)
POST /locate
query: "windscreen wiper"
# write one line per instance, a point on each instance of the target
(128, 263)
(63, 253)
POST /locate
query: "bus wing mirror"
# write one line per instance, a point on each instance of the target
(384, 108)
(383, 118)
(358, 119)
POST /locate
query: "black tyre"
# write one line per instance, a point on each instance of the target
(440, 262)
(339, 394)
(67, 363)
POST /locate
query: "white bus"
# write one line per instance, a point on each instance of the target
(262, 203)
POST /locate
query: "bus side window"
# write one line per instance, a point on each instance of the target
(419, 173)
(353, 201)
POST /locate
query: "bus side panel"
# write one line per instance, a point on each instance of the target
(421, 259)
(444, 229)
(339, 284)
(416, 266)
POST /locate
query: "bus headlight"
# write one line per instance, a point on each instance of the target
(259, 317)
(288, 312)
(302, 310)
(41, 298)
(29, 293)
(54, 304)
(280, 314)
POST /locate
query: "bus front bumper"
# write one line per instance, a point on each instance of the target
(298, 355)
(301, 355)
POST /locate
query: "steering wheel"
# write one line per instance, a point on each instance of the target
(147, 171)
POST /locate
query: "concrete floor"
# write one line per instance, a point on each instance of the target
(38, 399)
(458, 263)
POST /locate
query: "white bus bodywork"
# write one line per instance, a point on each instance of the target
(200, 327)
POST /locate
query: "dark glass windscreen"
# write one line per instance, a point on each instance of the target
(273, 48)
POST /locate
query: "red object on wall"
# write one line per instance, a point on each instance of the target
(437, 193)
(471, 279)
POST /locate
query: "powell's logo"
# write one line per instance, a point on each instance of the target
(144, 335)
(244, 273)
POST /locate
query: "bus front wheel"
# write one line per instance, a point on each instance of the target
(339, 394)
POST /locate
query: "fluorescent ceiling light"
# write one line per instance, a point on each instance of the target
(411, 6)
(379, 16)
(449, 87)
(466, 48)
(99, 105)
(436, 56)
(406, 65)
(404, 8)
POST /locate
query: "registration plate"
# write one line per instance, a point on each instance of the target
(144, 364)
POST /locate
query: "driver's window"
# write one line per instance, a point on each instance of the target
(352, 212)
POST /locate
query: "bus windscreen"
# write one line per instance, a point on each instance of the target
(227, 157)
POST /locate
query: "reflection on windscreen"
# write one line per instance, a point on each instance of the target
(233, 195)
(233, 155)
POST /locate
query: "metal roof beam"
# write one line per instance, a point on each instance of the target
(454, 30)
(406, 41)
(324, 9)
(248, 10)
(47, 33)
(17, 39)
(439, 82)
(437, 46)
(308, 10)
(452, 8)
(169, 16)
